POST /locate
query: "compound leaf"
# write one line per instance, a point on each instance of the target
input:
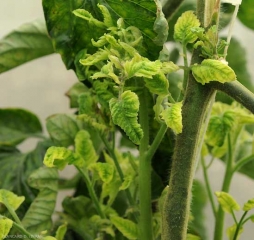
(124, 114)
(213, 70)
(28, 42)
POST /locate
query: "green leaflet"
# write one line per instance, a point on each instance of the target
(28, 42)
(59, 157)
(173, 117)
(160, 26)
(124, 113)
(62, 129)
(61, 230)
(212, 70)
(84, 149)
(14, 128)
(5, 227)
(10, 200)
(248, 205)
(38, 216)
(183, 28)
(227, 202)
(231, 232)
(218, 128)
(128, 228)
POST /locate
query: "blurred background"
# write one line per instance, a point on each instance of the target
(40, 85)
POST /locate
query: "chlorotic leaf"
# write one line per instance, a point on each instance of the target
(169, 67)
(127, 182)
(218, 128)
(84, 148)
(128, 228)
(227, 202)
(50, 238)
(248, 205)
(10, 200)
(105, 171)
(124, 114)
(108, 21)
(213, 70)
(158, 84)
(183, 28)
(231, 232)
(5, 227)
(58, 157)
(173, 117)
(38, 216)
(98, 56)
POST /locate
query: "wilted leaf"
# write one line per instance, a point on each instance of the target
(183, 28)
(38, 216)
(28, 42)
(173, 117)
(227, 202)
(213, 70)
(124, 114)
(128, 228)
(14, 127)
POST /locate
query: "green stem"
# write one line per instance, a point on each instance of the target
(239, 225)
(208, 186)
(242, 162)
(145, 223)
(119, 170)
(154, 146)
(91, 192)
(13, 214)
(219, 224)
(195, 112)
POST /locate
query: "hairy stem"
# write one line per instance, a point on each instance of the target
(187, 149)
(236, 91)
(145, 223)
(219, 224)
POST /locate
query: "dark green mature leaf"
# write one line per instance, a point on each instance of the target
(246, 13)
(70, 34)
(28, 42)
(38, 216)
(16, 125)
(62, 129)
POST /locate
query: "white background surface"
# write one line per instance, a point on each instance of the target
(39, 86)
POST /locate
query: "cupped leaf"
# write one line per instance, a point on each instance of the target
(248, 205)
(173, 117)
(84, 148)
(28, 42)
(5, 227)
(246, 13)
(38, 216)
(58, 157)
(125, 114)
(128, 228)
(227, 202)
(105, 171)
(62, 129)
(158, 84)
(14, 127)
(183, 28)
(10, 200)
(213, 70)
